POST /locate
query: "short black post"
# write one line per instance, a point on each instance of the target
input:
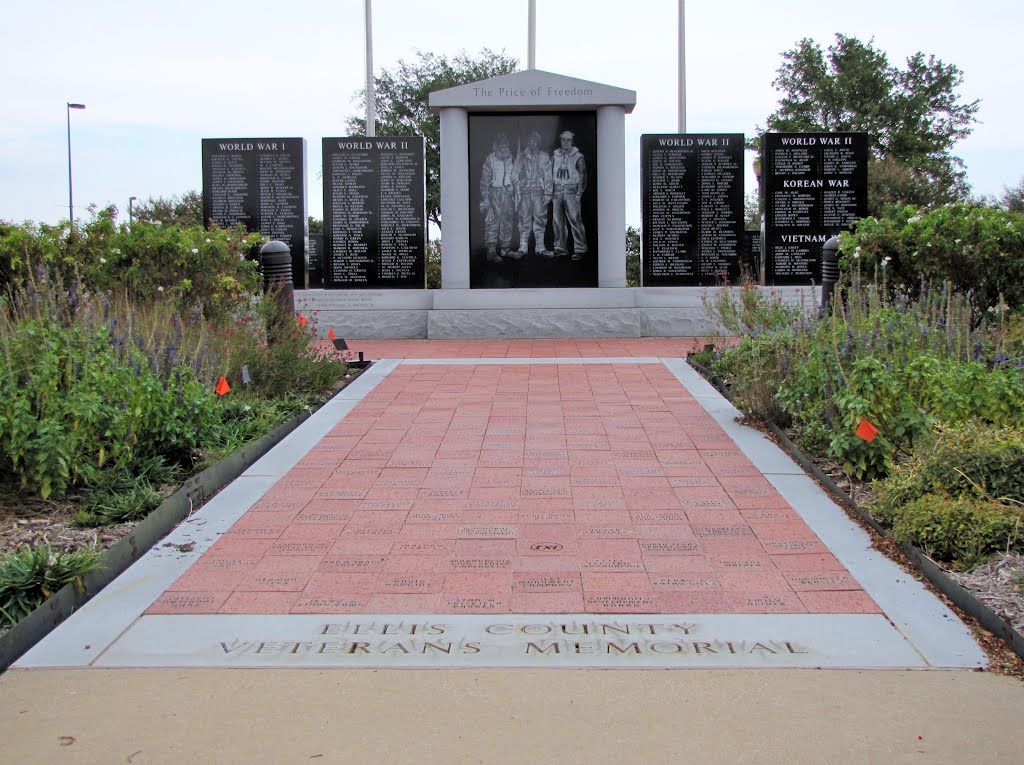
(276, 264)
(829, 272)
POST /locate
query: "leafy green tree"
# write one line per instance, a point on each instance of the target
(402, 106)
(632, 256)
(186, 210)
(316, 226)
(751, 212)
(1012, 198)
(913, 116)
(434, 264)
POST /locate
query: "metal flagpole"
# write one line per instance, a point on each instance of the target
(682, 66)
(371, 101)
(531, 56)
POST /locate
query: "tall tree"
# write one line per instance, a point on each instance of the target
(632, 256)
(914, 116)
(402, 107)
(1012, 198)
(186, 210)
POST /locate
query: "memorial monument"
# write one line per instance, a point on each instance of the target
(551, 105)
(533, 222)
(374, 219)
(692, 192)
(260, 183)
(815, 186)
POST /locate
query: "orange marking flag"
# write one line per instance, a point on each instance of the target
(866, 430)
(222, 386)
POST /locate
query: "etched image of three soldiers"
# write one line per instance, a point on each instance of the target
(522, 187)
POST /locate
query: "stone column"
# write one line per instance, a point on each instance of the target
(455, 198)
(611, 201)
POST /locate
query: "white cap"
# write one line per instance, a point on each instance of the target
(567, 134)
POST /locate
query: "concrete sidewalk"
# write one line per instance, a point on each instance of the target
(493, 519)
(509, 716)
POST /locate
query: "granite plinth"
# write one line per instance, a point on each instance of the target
(535, 322)
(521, 313)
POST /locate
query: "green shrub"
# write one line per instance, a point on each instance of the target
(106, 394)
(25, 244)
(71, 405)
(434, 264)
(750, 310)
(31, 574)
(283, 356)
(962, 530)
(245, 418)
(904, 365)
(983, 463)
(960, 496)
(127, 495)
(753, 369)
(118, 501)
(977, 249)
(205, 270)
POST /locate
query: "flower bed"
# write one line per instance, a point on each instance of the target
(916, 398)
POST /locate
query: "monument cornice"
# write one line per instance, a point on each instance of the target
(532, 90)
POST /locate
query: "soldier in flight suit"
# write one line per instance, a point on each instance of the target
(497, 198)
(533, 176)
(570, 181)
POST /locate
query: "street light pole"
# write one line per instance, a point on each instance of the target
(130, 200)
(71, 197)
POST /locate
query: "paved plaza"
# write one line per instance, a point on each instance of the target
(491, 552)
(485, 504)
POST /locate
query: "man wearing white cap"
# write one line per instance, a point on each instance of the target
(569, 170)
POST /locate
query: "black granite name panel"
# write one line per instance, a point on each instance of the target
(692, 200)
(815, 186)
(316, 261)
(260, 183)
(375, 231)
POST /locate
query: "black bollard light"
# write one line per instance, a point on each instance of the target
(829, 272)
(276, 264)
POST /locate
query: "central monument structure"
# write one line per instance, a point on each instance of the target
(508, 272)
(519, 108)
(533, 225)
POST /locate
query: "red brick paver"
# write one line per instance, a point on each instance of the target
(543, 488)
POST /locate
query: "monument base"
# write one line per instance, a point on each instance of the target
(532, 313)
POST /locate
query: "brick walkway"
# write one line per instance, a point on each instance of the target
(521, 488)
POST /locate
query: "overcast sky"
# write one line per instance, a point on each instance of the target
(157, 77)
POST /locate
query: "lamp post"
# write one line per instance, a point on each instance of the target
(130, 200)
(71, 198)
